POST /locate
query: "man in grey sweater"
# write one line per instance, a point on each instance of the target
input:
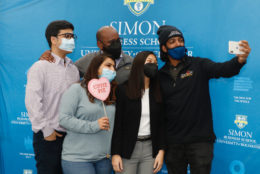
(108, 41)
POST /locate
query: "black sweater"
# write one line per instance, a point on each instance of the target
(187, 100)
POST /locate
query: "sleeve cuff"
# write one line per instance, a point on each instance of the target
(95, 126)
(239, 64)
(47, 131)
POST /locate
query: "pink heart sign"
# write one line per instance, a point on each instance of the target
(99, 88)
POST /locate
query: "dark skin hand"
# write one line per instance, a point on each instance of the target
(246, 49)
(47, 56)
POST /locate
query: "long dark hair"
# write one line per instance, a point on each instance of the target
(92, 72)
(135, 85)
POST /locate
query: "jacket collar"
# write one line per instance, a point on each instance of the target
(59, 60)
(124, 60)
(166, 68)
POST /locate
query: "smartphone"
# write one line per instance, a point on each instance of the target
(233, 48)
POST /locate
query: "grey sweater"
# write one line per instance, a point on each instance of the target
(85, 141)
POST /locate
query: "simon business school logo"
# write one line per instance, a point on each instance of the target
(241, 121)
(138, 7)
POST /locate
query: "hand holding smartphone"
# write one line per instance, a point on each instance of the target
(234, 48)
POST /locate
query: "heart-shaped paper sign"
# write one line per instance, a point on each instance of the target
(99, 88)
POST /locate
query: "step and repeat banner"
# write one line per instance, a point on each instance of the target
(207, 27)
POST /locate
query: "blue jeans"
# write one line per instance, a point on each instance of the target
(103, 166)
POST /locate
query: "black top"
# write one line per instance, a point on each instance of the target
(127, 121)
(187, 100)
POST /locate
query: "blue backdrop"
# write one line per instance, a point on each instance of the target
(207, 27)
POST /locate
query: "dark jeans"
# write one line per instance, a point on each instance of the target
(47, 154)
(198, 155)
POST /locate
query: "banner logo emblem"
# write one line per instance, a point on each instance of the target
(241, 121)
(138, 7)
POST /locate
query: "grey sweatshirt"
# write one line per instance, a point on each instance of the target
(85, 141)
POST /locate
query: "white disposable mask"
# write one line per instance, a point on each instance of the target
(67, 44)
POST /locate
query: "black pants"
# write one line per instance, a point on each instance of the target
(198, 155)
(47, 154)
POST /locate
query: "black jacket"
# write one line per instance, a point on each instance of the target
(187, 100)
(127, 121)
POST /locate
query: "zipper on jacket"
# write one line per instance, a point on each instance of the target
(178, 77)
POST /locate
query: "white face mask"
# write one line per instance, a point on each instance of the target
(67, 44)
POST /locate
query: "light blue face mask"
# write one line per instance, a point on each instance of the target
(177, 53)
(67, 44)
(109, 74)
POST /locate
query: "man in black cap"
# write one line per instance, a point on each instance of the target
(185, 90)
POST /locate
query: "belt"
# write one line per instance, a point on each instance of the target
(143, 138)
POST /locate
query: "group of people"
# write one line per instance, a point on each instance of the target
(152, 116)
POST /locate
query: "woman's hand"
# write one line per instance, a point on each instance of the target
(158, 163)
(104, 123)
(117, 163)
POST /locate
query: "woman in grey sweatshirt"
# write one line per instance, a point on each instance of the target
(86, 147)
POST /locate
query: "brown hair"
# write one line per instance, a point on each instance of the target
(92, 73)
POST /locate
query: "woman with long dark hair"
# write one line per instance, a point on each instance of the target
(138, 138)
(86, 148)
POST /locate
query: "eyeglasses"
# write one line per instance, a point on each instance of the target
(68, 35)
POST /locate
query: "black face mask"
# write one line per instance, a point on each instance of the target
(150, 70)
(114, 49)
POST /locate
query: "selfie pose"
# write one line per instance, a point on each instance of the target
(184, 83)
